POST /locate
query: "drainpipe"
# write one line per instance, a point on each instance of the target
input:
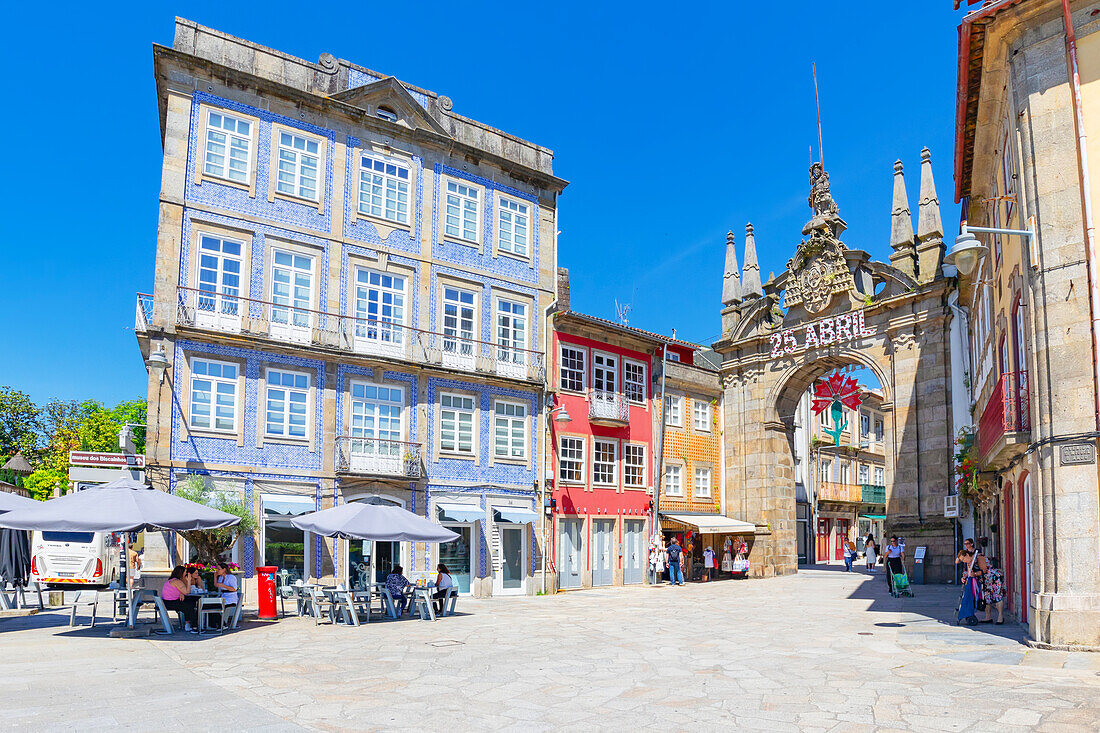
(660, 477)
(1086, 195)
(547, 342)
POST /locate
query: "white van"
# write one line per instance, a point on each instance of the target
(75, 559)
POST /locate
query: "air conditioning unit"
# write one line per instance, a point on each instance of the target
(951, 506)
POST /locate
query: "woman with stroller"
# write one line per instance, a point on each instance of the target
(895, 556)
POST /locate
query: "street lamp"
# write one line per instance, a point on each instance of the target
(562, 416)
(966, 254)
(559, 415)
(158, 363)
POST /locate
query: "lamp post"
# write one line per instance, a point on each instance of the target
(559, 415)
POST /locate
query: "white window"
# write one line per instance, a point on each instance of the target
(512, 227)
(826, 471)
(700, 415)
(571, 460)
(864, 425)
(384, 189)
(298, 166)
(510, 429)
(603, 461)
(604, 372)
(634, 381)
(880, 476)
(674, 480)
(878, 431)
(461, 214)
(291, 288)
(287, 403)
(845, 471)
(864, 473)
(228, 147)
(674, 415)
(634, 465)
(213, 395)
(376, 419)
(673, 356)
(458, 321)
(511, 331)
(572, 368)
(379, 306)
(702, 483)
(219, 275)
(456, 424)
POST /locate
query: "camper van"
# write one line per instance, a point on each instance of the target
(75, 559)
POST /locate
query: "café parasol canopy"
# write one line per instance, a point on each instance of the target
(375, 522)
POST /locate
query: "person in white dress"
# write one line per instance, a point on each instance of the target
(870, 553)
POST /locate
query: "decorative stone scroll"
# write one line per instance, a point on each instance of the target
(826, 332)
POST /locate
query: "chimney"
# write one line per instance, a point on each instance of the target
(563, 289)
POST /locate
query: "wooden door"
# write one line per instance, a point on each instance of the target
(822, 544)
(841, 537)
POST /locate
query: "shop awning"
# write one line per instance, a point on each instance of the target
(459, 512)
(872, 516)
(288, 504)
(713, 523)
(515, 515)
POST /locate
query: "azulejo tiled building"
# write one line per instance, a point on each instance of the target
(352, 283)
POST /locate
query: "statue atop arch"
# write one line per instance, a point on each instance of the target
(819, 269)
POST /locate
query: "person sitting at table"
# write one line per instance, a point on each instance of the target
(443, 581)
(396, 583)
(226, 582)
(198, 587)
(174, 595)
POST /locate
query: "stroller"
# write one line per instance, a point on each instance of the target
(899, 584)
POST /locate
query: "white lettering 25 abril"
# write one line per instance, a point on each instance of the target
(835, 330)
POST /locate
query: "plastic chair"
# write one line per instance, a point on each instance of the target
(449, 601)
(211, 607)
(319, 604)
(85, 598)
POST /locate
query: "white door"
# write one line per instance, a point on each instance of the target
(291, 296)
(513, 555)
(217, 303)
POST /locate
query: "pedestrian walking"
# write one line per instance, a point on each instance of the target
(895, 557)
(870, 553)
(993, 591)
(972, 594)
(675, 563)
(849, 555)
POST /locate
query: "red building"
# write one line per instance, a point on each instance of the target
(604, 462)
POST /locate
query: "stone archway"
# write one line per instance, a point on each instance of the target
(833, 307)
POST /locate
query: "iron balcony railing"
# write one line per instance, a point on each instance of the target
(378, 457)
(835, 491)
(144, 312)
(873, 494)
(604, 405)
(1007, 411)
(290, 323)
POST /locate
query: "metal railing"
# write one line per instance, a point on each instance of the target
(230, 313)
(378, 457)
(1007, 411)
(873, 494)
(608, 406)
(144, 312)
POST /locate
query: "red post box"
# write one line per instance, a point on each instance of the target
(267, 591)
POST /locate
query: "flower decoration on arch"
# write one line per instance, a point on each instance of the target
(834, 393)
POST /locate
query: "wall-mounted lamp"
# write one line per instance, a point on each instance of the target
(158, 363)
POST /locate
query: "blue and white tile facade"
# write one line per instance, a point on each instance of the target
(342, 239)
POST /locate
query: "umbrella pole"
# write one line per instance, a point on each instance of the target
(129, 598)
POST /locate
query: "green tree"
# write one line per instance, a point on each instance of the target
(210, 544)
(20, 423)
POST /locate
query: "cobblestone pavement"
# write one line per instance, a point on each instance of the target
(822, 650)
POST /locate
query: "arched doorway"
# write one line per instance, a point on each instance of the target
(834, 308)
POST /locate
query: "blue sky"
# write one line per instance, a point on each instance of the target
(672, 129)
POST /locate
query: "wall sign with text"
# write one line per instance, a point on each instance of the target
(828, 331)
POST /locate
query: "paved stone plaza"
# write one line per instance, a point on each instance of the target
(822, 650)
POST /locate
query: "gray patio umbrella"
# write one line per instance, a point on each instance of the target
(15, 544)
(374, 522)
(123, 505)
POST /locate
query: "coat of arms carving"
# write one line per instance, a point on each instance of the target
(819, 269)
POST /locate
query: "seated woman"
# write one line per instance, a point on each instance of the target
(396, 583)
(194, 577)
(443, 581)
(226, 582)
(174, 595)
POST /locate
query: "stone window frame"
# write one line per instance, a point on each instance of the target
(614, 370)
(682, 490)
(479, 223)
(261, 408)
(644, 485)
(614, 463)
(515, 298)
(709, 468)
(707, 424)
(199, 173)
(348, 398)
(475, 424)
(237, 432)
(245, 238)
(407, 163)
(667, 409)
(273, 191)
(381, 267)
(466, 286)
(293, 247)
(498, 250)
(582, 458)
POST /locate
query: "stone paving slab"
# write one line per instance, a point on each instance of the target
(821, 650)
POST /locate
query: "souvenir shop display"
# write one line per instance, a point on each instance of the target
(727, 556)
